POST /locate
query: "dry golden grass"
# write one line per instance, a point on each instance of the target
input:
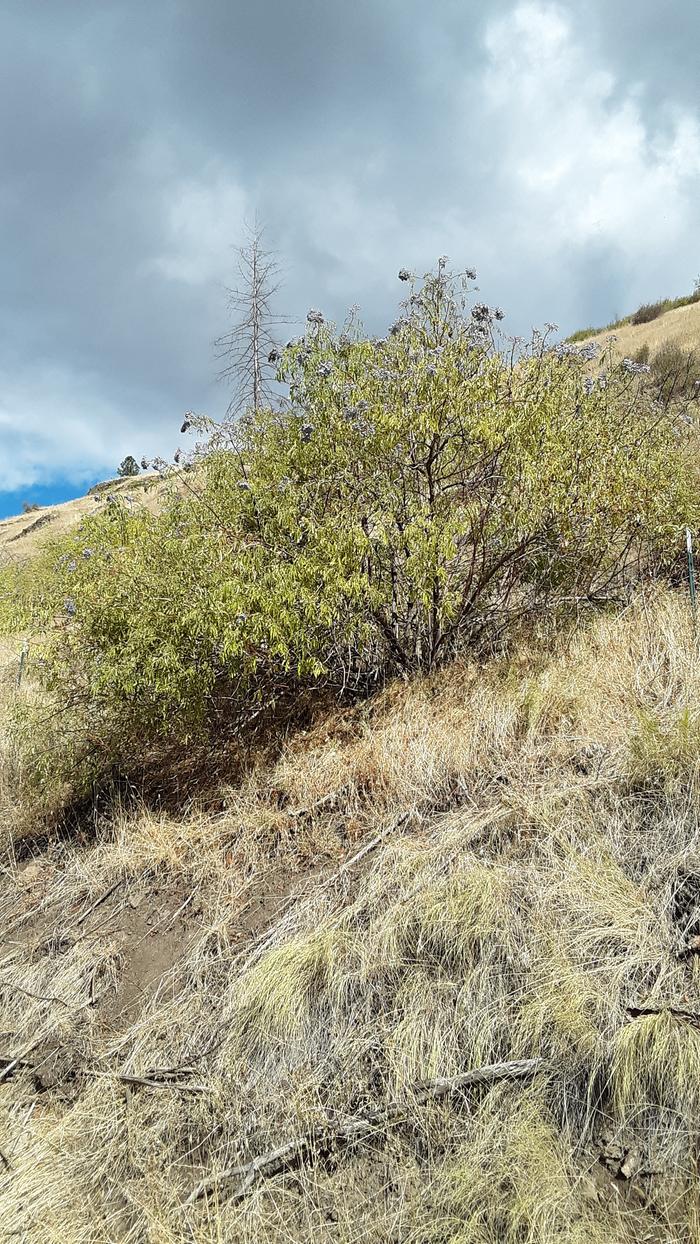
(681, 326)
(21, 536)
(535, 894)
(10, 656)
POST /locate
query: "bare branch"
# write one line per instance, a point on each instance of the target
(287, 1155)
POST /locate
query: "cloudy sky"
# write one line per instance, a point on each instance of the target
(555, 146)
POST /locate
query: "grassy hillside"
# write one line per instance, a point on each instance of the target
(349, 805)
(646, 314)
(496, 864)
(21, 536)
(680, 326)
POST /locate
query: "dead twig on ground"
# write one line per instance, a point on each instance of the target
(19, 1061)
(290, 1154)
(147, 1082)
(689, 1017)
(98, 902)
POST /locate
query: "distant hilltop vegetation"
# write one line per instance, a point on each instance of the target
(646, 314)
(665, 336)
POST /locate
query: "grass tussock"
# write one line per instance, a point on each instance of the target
(656, 1059)
(535, 893)
(514, 1183)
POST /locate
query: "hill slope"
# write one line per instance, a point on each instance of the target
(680, 326)
(255, 1023)
(21, 535)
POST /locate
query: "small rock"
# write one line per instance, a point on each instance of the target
(630, 1165)
(612, 1154)
(31, 872)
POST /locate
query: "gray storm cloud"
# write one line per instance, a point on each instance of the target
(557, 150)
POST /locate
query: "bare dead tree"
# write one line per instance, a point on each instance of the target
(248, 348)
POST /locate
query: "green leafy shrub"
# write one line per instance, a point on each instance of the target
(676, 372)
(649, 311)
(419, 494)
(652, 310)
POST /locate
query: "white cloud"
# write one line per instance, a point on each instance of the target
(56, 425)
(204, 217)
(356, 236)
(578, 162)
(555, 185)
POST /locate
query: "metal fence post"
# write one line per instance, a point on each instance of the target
(691, 575)
(22, 662)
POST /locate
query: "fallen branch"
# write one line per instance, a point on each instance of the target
(182, 1086)
(98, 902)
(147, 1082)
(290, 1154)
(370, 846)
(20, 1061)
(8, 1065)
(40, 997)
